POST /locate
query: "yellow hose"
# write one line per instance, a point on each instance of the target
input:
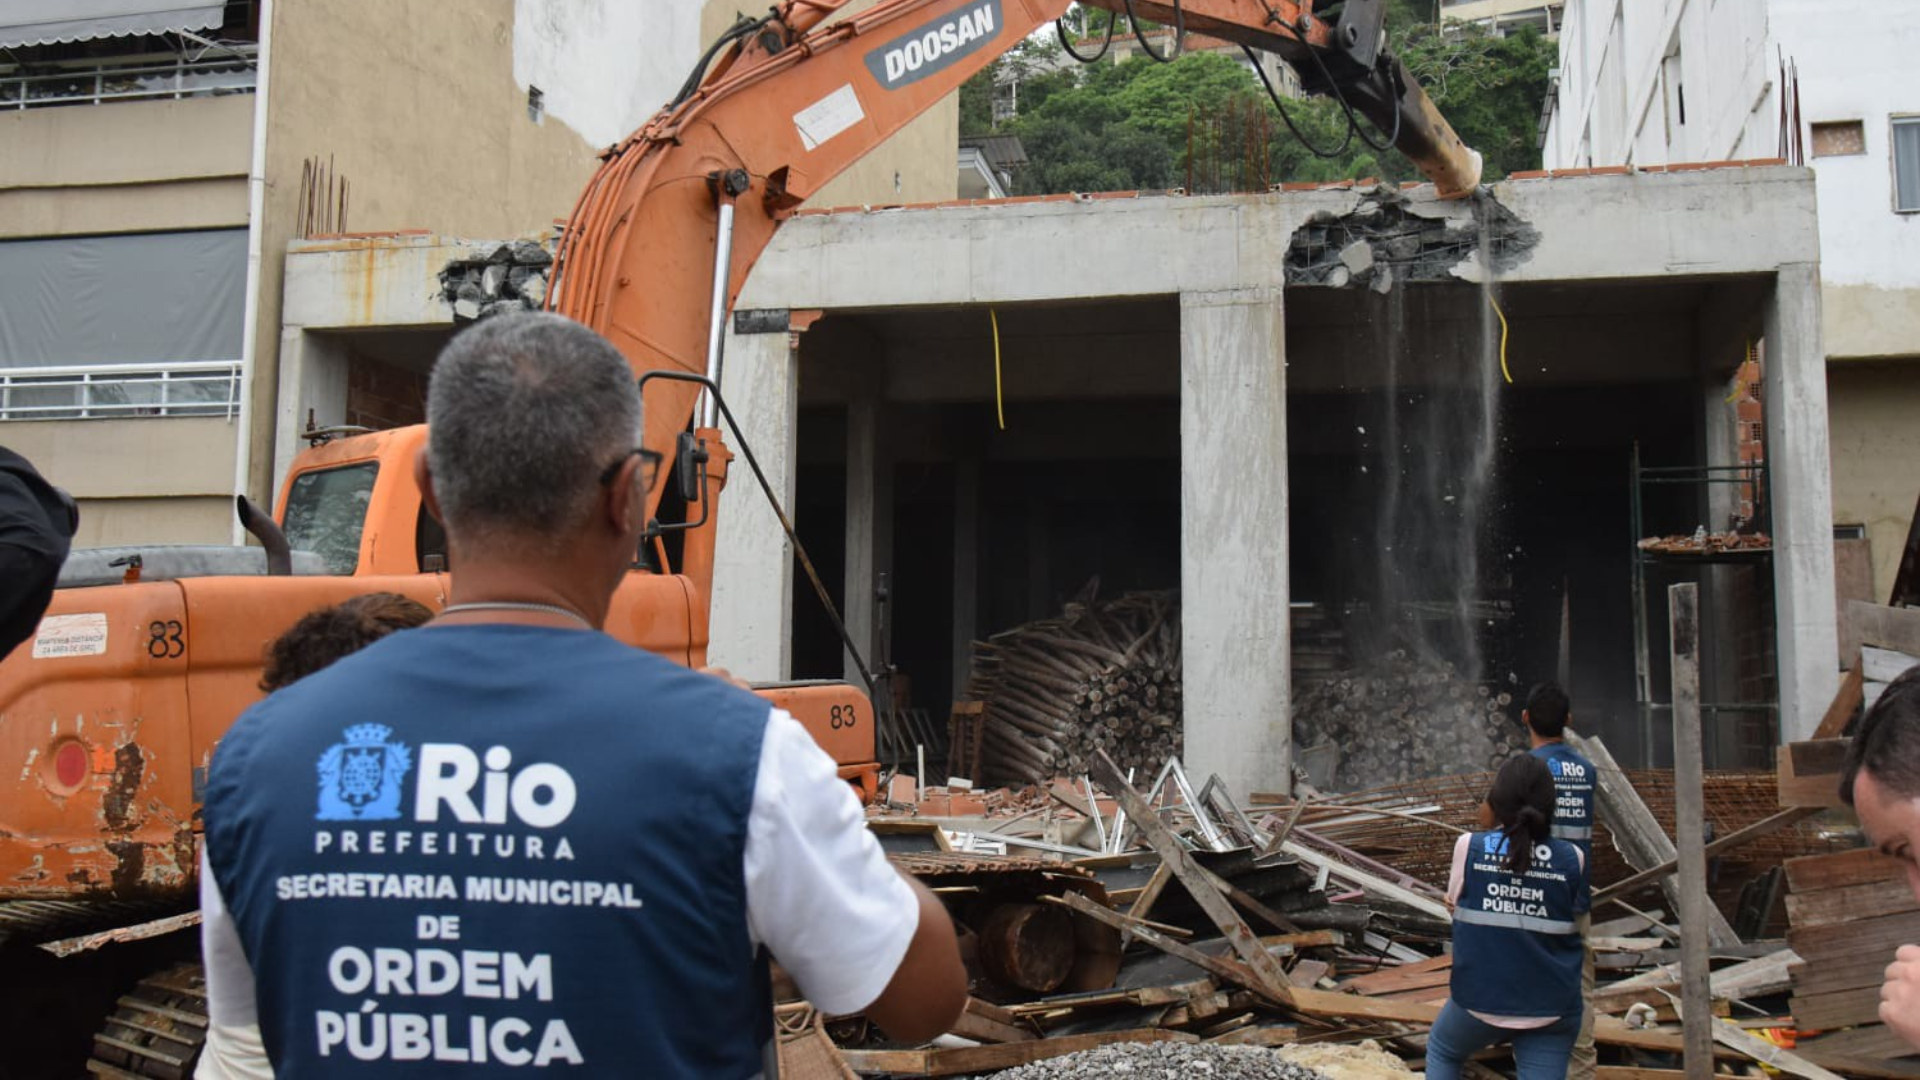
(1503, 338)
(999, 401)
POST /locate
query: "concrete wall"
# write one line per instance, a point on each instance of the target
(1756, 223)
(149, 480)
(1876, 456)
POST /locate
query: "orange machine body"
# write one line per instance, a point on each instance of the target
(109, 717)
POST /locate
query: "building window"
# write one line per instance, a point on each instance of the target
(1906, 164)
(1839, 138)
(113, 327)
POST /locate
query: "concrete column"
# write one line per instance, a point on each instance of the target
(1233, 539)
(869, 517)
(1801, 488)
(752, 612)
(966, 567)
(313, 376)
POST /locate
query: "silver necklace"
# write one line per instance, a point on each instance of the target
(516, 605)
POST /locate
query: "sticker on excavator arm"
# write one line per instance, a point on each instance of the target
(71, 635)
(828, 117)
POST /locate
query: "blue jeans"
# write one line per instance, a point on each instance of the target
(1541, 1053)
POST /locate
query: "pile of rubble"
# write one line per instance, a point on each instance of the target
(1168, 929)
(496, 280)
(1400, 718)
(1103, 677)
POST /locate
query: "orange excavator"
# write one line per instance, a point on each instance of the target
(109, 717)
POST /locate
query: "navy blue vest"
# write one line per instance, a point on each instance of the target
(1573, 779)
(466, 850)
(1516, 950)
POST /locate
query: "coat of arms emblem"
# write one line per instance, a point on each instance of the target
(360, 777)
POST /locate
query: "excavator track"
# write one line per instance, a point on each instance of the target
(157, 1029)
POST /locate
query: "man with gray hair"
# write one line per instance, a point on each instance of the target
(1881, 781)
(532, 844)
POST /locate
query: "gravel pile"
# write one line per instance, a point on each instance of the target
(1164, 1061)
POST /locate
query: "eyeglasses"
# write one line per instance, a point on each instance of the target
(650, 461)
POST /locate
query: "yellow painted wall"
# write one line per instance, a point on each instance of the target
(1873, 411)
(416, 105)
(135, 166)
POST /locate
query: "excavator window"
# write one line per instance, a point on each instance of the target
(327, 512)
(429, 541)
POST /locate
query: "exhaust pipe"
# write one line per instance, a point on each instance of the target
(267, 531)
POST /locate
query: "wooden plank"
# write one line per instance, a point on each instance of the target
(1690, 828)
(1261, 1035)
(1838, 1009)
(1819, 791)
(1764, 827)
(1889, 1068)
(1850, 904)
(1839, 973)
(1845, 704)
(1820, 757)
(1143, 996)
(1764, 1052)
(1636, 834)
(961, 1060)
(1150, 893)
(1237, 974)
(1871, 624)
(1249, 903)
(1388, 980)
(1809, 873)
(989, 1023)
(1879, 935)
(1385, 889)
(1871, 1041)
(1188, 872)
(1884, 665)
(1632, 1073)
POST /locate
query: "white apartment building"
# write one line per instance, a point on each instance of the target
(1827, 83)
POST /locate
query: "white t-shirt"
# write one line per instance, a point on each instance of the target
(821, 897)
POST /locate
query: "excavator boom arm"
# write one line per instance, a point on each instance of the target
(664, 235)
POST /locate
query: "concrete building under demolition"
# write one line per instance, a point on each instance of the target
(1440, 428)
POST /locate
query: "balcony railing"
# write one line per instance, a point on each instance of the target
(120, 391)
(230, 72)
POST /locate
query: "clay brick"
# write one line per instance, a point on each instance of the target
(902, 789)
(1528, 174)
(936, 805)
(967, 806)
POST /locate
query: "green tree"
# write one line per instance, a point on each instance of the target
(1203, 122)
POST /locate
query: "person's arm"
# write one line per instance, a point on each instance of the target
(233, 1049)
(854, 933)
(1457, 873)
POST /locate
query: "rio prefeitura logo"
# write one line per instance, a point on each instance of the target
(360, 778)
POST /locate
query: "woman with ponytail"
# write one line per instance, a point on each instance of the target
(1517, 952)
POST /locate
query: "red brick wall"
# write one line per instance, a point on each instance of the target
(382, 396)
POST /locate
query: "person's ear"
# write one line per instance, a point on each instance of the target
(1526, 720)
(423, 478)
(626, 505)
